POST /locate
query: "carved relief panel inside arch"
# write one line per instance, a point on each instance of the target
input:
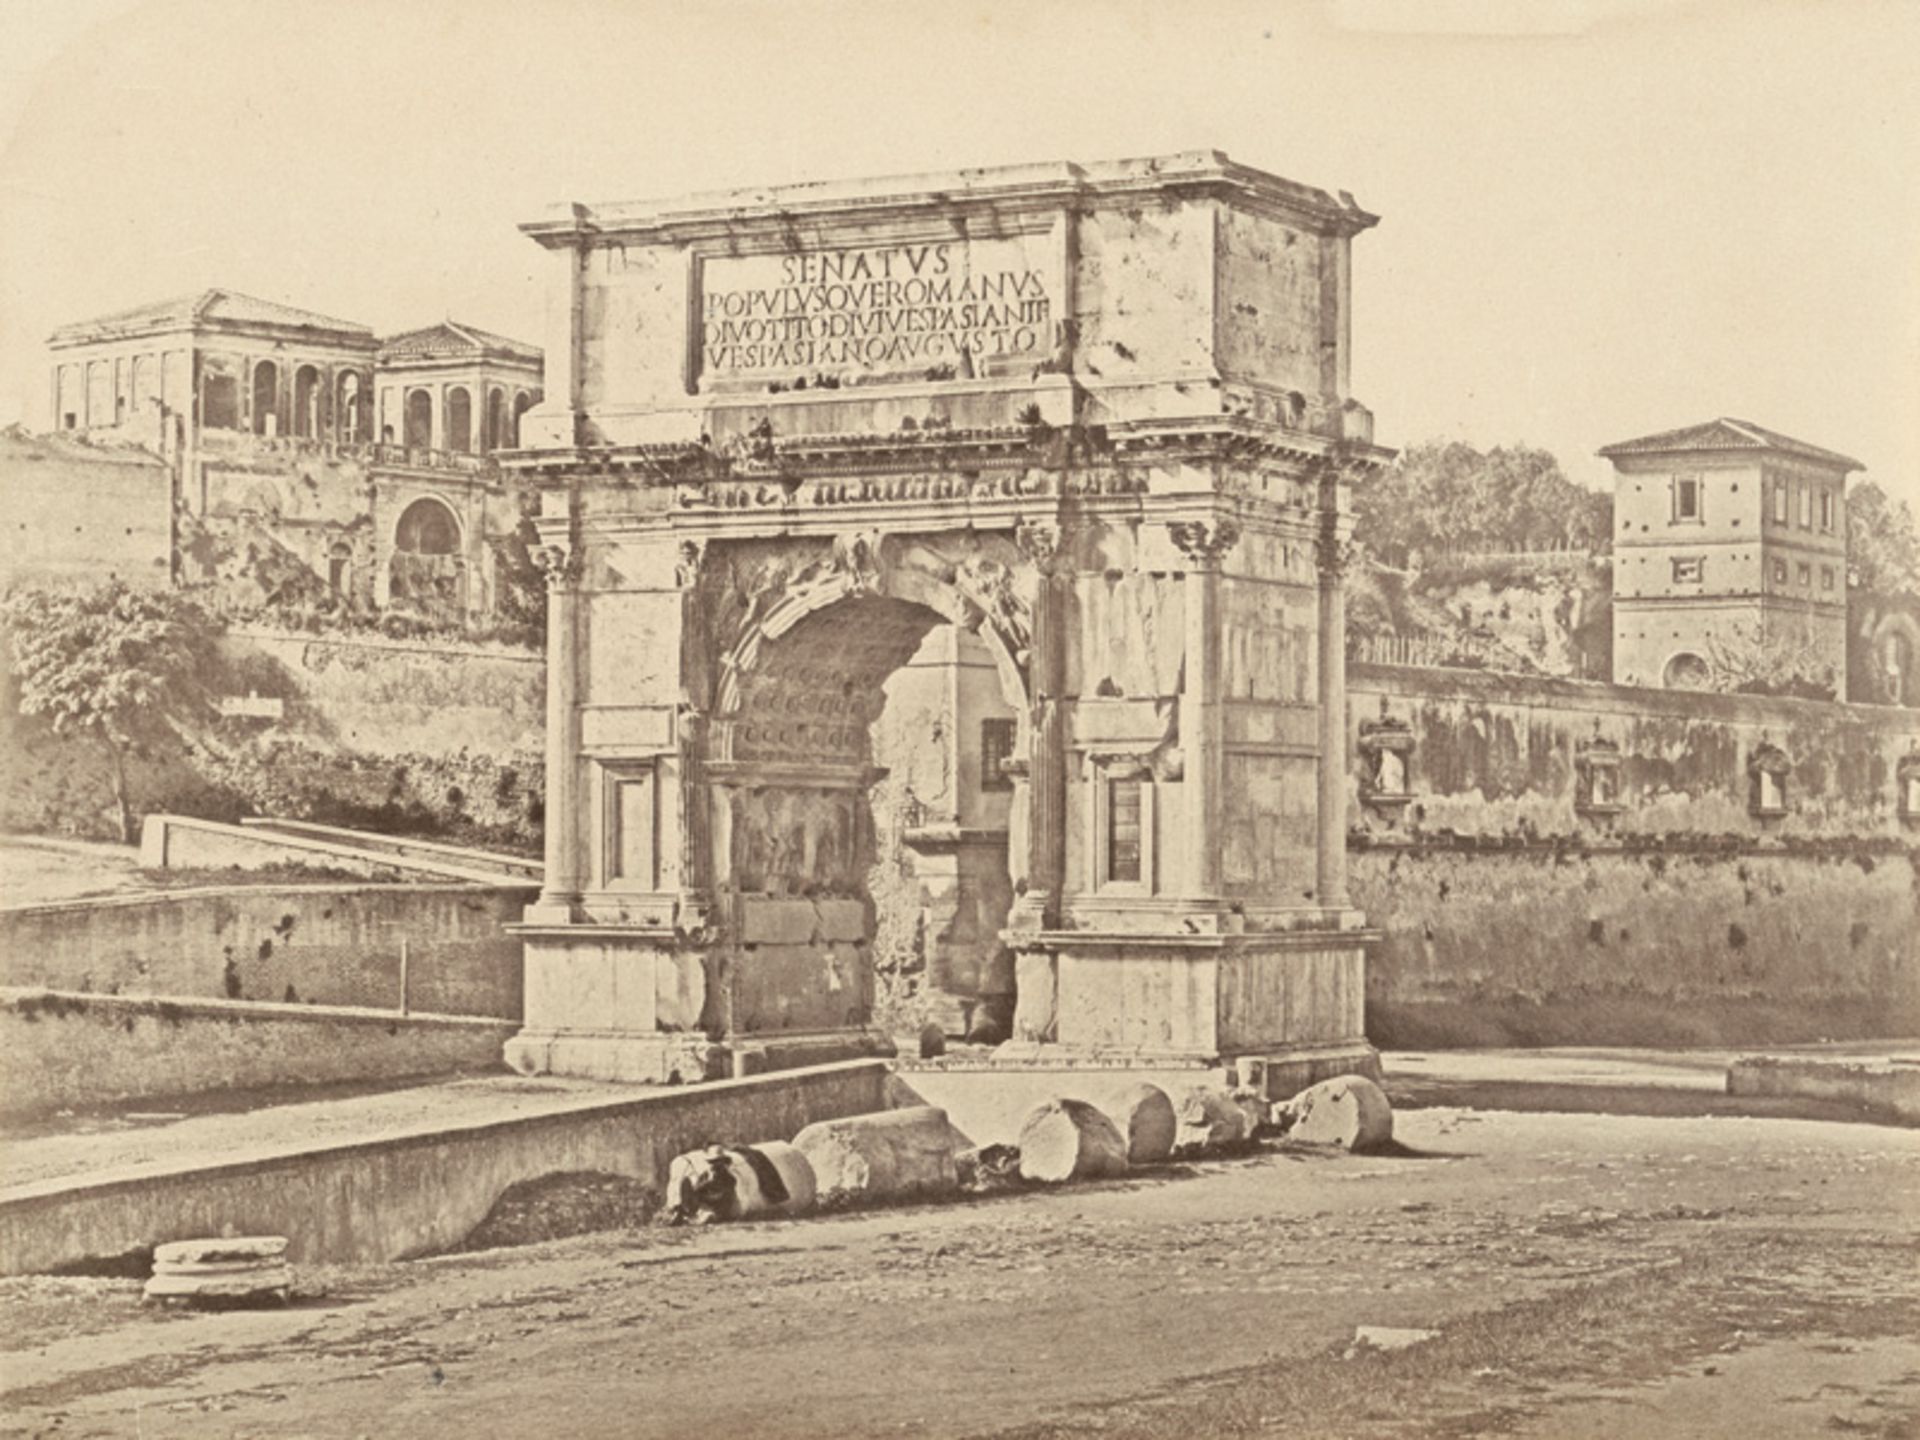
(795, 644)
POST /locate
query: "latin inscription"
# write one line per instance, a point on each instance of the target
(874, 308)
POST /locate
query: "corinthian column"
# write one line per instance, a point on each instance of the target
(1204, 545)
(1330, 867)
(561, 886)
(1039, 907)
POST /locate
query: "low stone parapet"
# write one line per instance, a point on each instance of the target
(61, 1050)
(1889, 1089)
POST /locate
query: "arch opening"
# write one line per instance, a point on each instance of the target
(266, 398)
(459, 419)
(306, 402)
(352, 396)
(1687, 671)
(496, 419)
(427, 571)
(861, 749)
(419, 420)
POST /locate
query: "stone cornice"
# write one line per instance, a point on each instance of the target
(1001, 190)
(794, 459)
(209, 334)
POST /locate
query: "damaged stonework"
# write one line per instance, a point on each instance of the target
(1093, 420)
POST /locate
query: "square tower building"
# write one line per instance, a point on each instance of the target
(1730, 558)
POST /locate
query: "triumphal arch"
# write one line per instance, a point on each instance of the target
(1094, 417)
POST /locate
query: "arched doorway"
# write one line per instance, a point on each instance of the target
(419, 421)
(459, 419)
(522, 402)
(1687, 671)
(266, 398)
(306, 402)
(427, 571)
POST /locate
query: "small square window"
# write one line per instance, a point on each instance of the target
(1686, 497)
(1688, 570)
(996, 746)
(1803, 572)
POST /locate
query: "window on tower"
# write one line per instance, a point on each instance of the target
(1688, 569)
(1686, 497)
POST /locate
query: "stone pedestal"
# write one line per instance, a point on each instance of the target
(1282, 998)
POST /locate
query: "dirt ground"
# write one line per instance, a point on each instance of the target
(1583, 1275)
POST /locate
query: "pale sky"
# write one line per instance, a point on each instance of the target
(1600, 218)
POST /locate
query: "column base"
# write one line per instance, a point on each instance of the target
(1285, 1073)
(639, 1059)
(684, 1059)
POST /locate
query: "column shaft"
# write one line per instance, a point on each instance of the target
(1199, 729)
(564, 875)
(1331, 846)
(1047, 786)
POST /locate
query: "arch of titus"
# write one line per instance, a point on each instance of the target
(1094, 416)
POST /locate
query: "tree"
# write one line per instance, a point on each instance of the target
(1442, 496)
(1883, 548)
(108, 664)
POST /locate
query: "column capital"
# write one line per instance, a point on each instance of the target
(1204, 542)
(1039, 541)
(688, 560)
(1334, 548)
(560, 564)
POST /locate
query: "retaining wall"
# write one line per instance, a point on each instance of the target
(1512, 915)
(61, 1051)
(414, 1193)
(316, 944)
(1542, 944)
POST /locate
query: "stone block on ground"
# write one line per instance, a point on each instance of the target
(1349, 1111)
(1064, 1140)
(1256, 1110)
(891, 1155)
(733, 1182)
(248, 1248)
(989, 1168)
(1210, 1122)
(1145, 1115)
(234, 1271)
